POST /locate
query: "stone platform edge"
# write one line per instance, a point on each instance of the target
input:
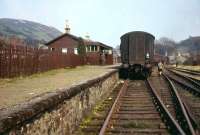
(18, 115)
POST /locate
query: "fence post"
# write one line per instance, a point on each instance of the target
(1, 53)
(37, 61)
(26, 70)
(10, 61)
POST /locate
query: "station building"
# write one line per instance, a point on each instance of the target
(95, 52)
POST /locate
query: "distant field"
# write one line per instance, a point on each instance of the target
(17, 90)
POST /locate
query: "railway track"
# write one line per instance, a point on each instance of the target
(192, 84)
(134, 102)
(150, 107)
(189, 91)
(92, 124)
(173, 102)
(191, 72)
(134, 112)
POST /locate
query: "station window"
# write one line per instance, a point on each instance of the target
(75, 50)
(109, 51)
(64, 50)
(92, 48)
(95, 48)
(88, 49)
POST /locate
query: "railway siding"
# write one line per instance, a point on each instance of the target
(56, 112)
(170, 97)
(193, 103)
(189, 93)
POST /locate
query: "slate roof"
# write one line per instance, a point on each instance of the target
(86, 42)
(63, 35)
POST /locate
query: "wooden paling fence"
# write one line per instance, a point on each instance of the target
(22, 61)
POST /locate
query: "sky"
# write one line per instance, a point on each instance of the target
(107, 20)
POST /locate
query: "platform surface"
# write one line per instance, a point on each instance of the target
(17, 90)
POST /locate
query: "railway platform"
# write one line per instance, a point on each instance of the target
(18, 90)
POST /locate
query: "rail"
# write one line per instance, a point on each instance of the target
(190, 79)
(182, 114)
(105, 125)
(192, 72)
(193, 89)
(165, 114)
(184, 126)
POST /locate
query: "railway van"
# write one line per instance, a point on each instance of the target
(137, 51)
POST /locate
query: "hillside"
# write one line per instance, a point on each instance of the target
(192, 44)
(27, 30)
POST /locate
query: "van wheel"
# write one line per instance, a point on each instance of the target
(123, 73)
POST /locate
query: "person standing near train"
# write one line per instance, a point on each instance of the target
(160, 67)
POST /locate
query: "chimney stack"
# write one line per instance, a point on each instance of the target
(67, 28)
(87, 36)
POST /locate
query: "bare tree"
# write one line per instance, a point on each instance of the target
(165, 46)
(117, 49)
(167, 41)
